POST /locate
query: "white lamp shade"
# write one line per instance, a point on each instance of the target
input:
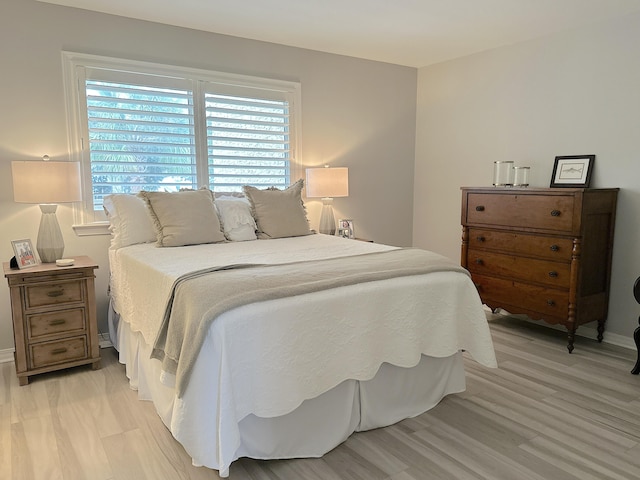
(46, 182)
(327, 182)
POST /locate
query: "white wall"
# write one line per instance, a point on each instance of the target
(356, 113)
(570, 93)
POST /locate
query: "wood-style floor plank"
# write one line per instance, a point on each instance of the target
(542, 415)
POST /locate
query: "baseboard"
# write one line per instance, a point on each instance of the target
(104, 340)
(6, 355)
(583, 331)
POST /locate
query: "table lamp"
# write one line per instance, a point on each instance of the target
(327, 183)
(47, 183)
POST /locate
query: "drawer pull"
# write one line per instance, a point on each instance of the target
(479, 261)
(555, 213)
(55, 293)
(480, 239)
(551, 303)
(554, 248)
(57, 321)
(553, 274)
(480, 208)
(58, 351)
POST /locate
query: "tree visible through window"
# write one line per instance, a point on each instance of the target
(160, 128)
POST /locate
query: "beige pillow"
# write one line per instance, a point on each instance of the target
(183, 218)
(279, 213)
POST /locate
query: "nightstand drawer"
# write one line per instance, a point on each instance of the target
(51, 353)
(62, 321)
(54, 294)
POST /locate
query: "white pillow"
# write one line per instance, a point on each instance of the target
(182, 218)
(235, 216)
(129, 220)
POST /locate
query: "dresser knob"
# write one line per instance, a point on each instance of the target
(553, 274)
(480, 208)
(480, 239)
(551, 303)
(554, 248)
(555, 213)
(479, 261)
(58, 351)
(57, 321)
(55, 293)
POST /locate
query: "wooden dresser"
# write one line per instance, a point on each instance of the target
(543, 252)
(54, 317)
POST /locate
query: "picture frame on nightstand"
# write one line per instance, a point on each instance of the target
(25, 254)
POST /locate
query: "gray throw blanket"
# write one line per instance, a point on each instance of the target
(198, 298)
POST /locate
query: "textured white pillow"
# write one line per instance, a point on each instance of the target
(235, 216)
(129, 220)
(184, 218)
(279, 213)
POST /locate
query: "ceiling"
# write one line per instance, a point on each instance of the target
(414, 33)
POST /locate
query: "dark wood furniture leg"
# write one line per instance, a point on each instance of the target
(636, 334)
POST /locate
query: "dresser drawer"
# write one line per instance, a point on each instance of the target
(540, 246)
(59, 322)
(61, 351)
(544, 212)
(532, 270)
(53, 294)
(518, 297)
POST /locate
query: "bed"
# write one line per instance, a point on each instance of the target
(286, 376)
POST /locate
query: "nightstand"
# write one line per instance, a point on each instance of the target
(54, 317)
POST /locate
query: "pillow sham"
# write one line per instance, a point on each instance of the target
(235, 216)
(182, 218)
(129, 220)
(278, 213)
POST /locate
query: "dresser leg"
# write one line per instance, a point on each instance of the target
(636, 337)
(600, 330)
(570, 337)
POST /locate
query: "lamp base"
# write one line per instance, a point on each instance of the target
(327, 220)
(50, 244)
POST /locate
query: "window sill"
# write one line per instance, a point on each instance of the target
(90, 229)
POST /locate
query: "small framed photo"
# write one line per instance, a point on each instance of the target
(572, 171)
(345, 228)
(25, 255)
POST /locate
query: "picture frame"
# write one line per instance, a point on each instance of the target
(345, 228)
(572, 171)
(25, 254)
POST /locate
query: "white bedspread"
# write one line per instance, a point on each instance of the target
(266, 358)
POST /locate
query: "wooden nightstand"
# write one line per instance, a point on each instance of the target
(54, 317)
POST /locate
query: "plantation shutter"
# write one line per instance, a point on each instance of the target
(145, 126)
(247, 141)
(141, 137)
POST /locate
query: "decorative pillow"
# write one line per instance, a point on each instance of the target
(235, 216)
(279, 213)
(183, 218)
(129, 220)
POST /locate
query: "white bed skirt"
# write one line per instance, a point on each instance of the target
(317, 426)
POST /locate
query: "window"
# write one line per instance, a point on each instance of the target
(140, 126)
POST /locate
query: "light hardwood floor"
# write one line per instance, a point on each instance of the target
(543, 414)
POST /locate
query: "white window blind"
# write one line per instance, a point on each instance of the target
(141, 126)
